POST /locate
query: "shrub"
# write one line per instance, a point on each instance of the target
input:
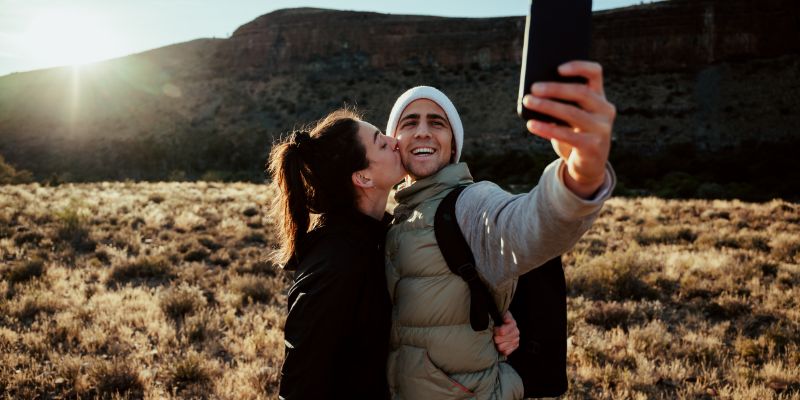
(28, 237)
(609, 315)
(117, 378)
(180, 302)
(148, 269)
(209, 243)
(616, 276)
(666, 235)
(33, 305)
(785, 247)
(10, 175)
(73, 229)
(255, 237)
(202, 326)
(253, 289)
(259, 267)
(190, 374)
(198, 254)
(25, 271)
(155, 198)
(250, 211)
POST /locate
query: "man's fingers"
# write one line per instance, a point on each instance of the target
(592, 71)
(505, 330)
(578, 93)
(506, 338)
(568, 113)
(508, 348)
(552, 131)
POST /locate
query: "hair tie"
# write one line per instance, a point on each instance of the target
(301, 139)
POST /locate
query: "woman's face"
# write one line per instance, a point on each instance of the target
(385, 169)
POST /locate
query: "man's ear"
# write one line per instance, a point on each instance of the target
(360, 179)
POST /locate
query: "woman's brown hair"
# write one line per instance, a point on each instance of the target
(312, 174)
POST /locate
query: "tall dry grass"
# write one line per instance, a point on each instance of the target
(137, 290)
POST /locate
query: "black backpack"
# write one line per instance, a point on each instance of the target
(539, 306)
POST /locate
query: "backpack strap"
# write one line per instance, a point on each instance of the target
(461, 262)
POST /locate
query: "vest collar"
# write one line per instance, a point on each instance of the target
(409, 196)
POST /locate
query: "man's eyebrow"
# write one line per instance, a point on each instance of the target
(412, 116)
(375, 136)
(437, 116)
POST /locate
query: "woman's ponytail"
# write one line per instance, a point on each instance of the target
(312, 174)
(287, 167)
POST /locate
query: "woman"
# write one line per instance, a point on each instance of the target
(337, 330)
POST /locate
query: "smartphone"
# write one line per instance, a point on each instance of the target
(556, 31)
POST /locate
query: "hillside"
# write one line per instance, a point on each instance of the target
(703, 88)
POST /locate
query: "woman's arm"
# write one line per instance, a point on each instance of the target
(320, 321)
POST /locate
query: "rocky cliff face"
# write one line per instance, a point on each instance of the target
(669, 35)
(315, 39)
(692, 77)
(691, 34)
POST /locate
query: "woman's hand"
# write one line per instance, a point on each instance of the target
(506, 337)
(583, 145)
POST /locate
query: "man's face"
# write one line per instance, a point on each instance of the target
(425, 138)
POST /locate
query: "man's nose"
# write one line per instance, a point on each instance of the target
(423, 130)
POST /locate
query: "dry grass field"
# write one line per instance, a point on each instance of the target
(156, 290)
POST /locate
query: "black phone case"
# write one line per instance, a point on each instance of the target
(556, 31)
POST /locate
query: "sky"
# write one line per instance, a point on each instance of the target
(37, 34)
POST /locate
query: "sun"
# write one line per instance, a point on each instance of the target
(69, 37)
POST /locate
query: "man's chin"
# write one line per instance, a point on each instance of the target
(418, 172)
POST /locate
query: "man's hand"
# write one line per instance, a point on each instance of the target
(506, 337)
(585, 144)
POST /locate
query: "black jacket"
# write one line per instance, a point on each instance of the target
(337, 330)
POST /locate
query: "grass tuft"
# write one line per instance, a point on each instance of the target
(190, 376)
(73, 229)
(666, 235)
(117, 378)
(179, 302)
(253, 289)
(618, 276)
(25, 271)
(150, 270)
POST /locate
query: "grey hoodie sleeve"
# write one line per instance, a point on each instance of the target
(512, 234)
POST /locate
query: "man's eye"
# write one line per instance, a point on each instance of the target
(384, 146)
(409, 123)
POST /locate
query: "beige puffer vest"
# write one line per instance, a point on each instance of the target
(435, 354)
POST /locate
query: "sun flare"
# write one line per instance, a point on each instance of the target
(69, 37)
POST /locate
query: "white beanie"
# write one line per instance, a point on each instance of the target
(432, 94)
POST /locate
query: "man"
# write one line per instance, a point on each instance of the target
(435, 354)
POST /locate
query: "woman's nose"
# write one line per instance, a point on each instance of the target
(392, 143)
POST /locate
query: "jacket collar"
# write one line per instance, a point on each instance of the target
(410, 196)
(353, 217)
(350, 219)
